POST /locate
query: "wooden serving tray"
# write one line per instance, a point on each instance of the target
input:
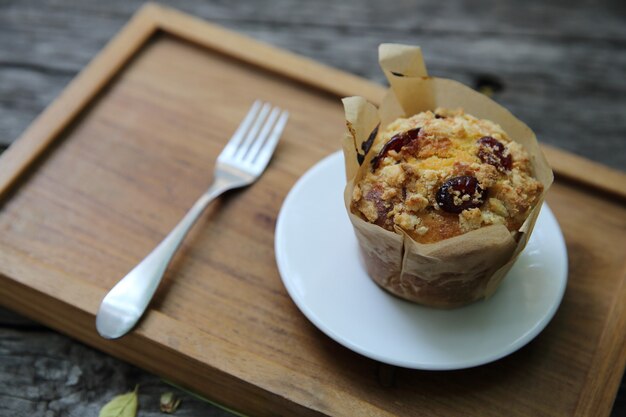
(109, 168)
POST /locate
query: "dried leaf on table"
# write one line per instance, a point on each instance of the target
(121, 406)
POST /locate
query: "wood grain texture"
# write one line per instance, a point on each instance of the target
(561, 64)
(69, 379)
(585, 172)
(75, 98)
(136, 230)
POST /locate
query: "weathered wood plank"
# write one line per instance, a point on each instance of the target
(46, 374)
(561, 71)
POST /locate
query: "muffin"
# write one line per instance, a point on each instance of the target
(444, 185)
(440, 174)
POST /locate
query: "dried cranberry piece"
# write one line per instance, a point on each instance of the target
(382, 207)
(396, 143)
(491, 151)
(460, 193)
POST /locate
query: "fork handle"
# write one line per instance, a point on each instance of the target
(165, 251)
(126, 302)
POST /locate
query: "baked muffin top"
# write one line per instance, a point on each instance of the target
(440, 174)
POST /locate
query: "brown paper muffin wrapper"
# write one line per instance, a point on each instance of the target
(455, 271)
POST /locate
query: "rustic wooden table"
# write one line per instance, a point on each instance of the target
(559, 67)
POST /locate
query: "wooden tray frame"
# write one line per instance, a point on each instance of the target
(248, 396)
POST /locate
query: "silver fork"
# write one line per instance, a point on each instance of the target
(240, 163)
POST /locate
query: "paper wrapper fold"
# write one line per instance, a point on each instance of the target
(455, 271)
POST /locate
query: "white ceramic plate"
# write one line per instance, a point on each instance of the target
(318, 259)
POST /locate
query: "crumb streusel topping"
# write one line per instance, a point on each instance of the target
(438, 175)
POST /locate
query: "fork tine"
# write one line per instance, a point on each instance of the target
(267, 150)
(262, 137)
(235, 141)
(253, 132)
